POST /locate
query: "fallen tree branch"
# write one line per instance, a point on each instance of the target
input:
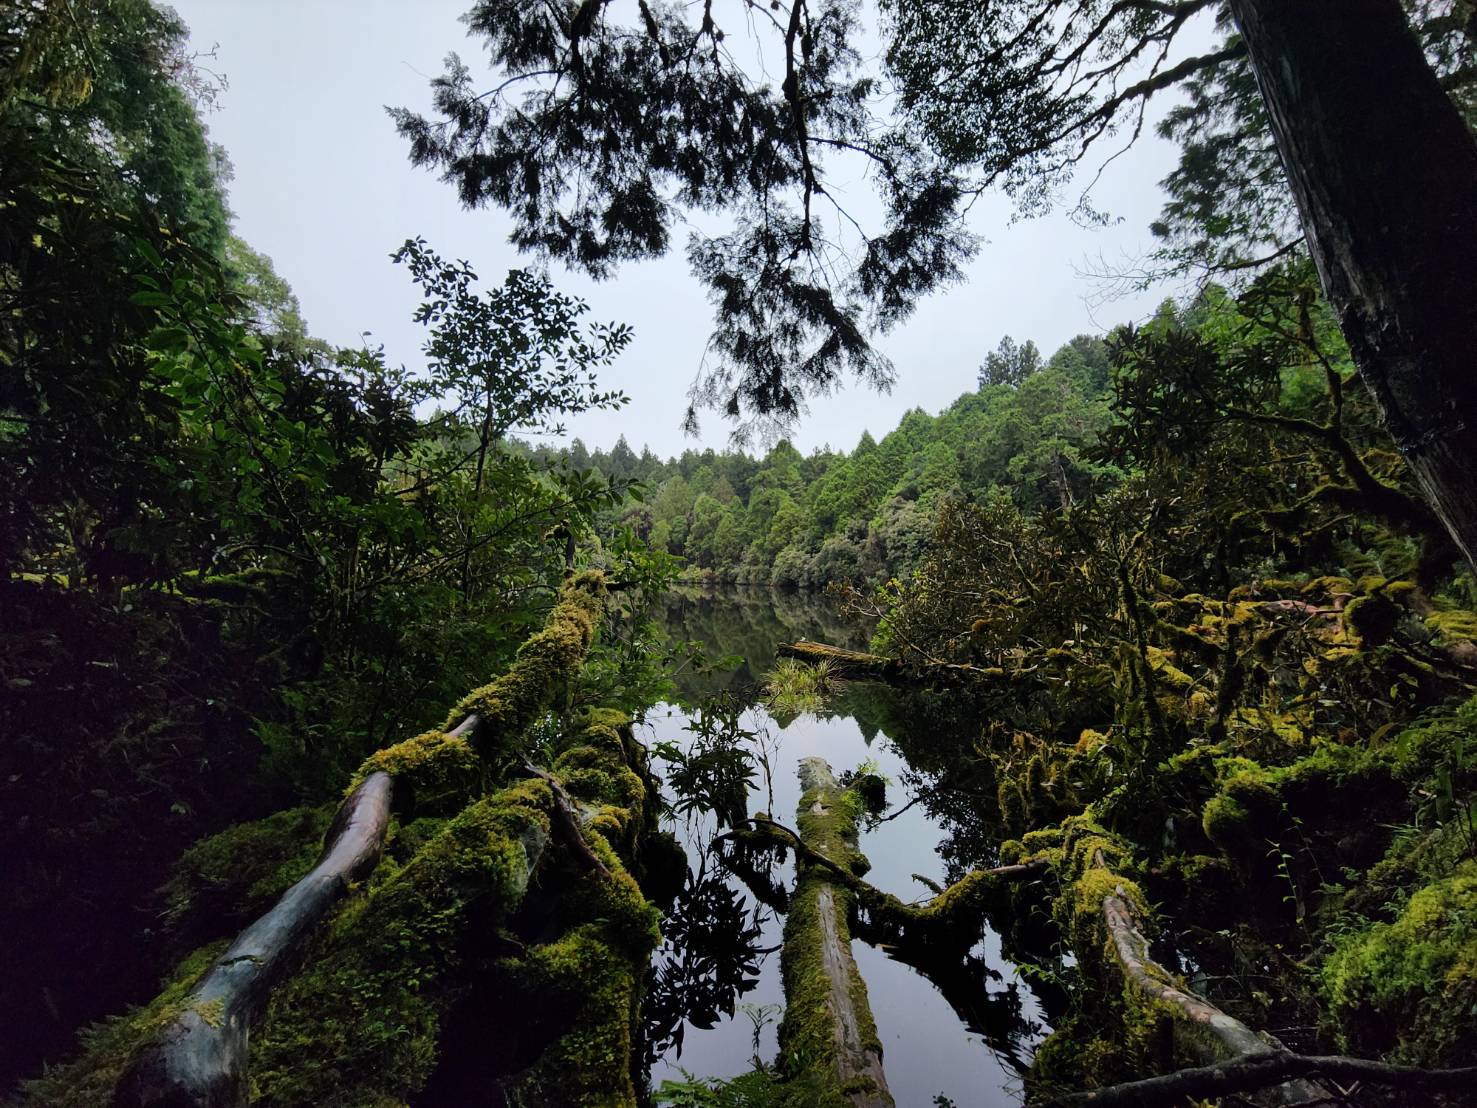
(199, 1058)
(1201, 1030)
(854, 664)
(861, 666)
(1252, 1072)
(1020, 871)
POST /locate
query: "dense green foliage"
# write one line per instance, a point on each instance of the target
(235, 560)
(1238, 661)
(791, 521)
(1199, 645)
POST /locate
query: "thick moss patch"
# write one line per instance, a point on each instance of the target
(1408, 989)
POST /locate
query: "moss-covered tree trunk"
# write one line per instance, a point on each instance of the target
(199, 1057)
(828, 1027)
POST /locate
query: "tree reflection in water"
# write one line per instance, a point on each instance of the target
(731, 905)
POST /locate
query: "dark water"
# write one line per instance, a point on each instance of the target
(966, 1034)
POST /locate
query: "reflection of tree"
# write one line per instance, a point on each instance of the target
(748, 623)
(998, 1016)
(708, 959)
(710, 942)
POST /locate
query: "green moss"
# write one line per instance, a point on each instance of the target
(435, 773)
(224, 881)
(1076, 1057)
(543, 671)
(607, 932)
(107, 1046)
(1408, 989)
(1454, 623)
(406, 840)
(827, 822)
(807, 1033)
(1334, 785)
(363, 1019)
(596, 968)
(1013, 852)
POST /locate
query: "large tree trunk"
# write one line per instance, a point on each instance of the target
(1384, 171)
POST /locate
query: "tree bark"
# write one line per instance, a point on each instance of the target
(828, 1021)
(1201, 1031)
(199, 1059)
(1384, 172)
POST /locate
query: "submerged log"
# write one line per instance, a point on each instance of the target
(948, 924)
(199, 1058)
(853, 664)
(858, 665)
(828, 1022)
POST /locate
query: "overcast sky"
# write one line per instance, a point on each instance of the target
(322, 185)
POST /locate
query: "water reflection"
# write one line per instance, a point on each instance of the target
(961, 1026)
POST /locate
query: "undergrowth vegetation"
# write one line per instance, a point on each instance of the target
(1247, 662)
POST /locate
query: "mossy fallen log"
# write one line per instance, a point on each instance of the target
(498, 911)
(857, 665)
(198, 1056)
(828, 1028)
(1200, 1032)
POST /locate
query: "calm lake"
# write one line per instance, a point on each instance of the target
(967, 1046)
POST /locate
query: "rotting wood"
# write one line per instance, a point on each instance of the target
(828, 1021)
(1201, 1030)
(196, 1055)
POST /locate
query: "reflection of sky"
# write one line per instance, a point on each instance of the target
(927, 1050)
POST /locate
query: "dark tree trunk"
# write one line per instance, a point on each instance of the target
(1384, 171)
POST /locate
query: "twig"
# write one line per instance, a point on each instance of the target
(1257, 1071)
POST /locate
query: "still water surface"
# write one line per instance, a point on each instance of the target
(930, 1050)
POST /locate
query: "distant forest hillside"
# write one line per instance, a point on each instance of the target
(796, 521)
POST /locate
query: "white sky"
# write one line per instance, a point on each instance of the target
(323, 186)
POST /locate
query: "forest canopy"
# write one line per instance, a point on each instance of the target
(364, 742)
